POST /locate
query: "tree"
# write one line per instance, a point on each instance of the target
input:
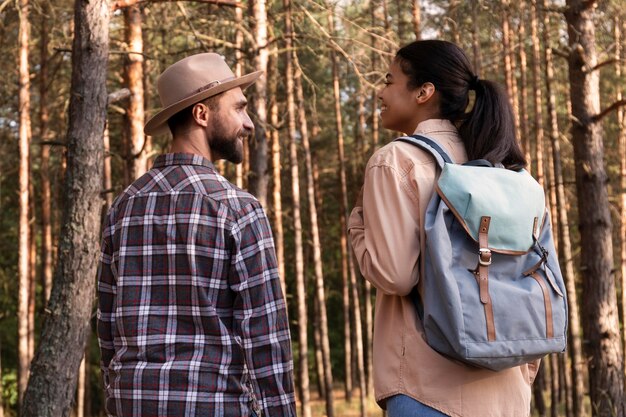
(24, 183)
(258, 177)
(600, 321)
(297, 222)
(52, 384)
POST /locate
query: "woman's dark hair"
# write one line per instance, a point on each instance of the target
(488, 130)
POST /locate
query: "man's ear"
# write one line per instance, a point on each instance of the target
(200, 113)
(424, 93)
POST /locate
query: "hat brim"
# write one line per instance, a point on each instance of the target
(158, 123)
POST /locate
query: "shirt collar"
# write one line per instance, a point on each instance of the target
(169, 159)
(436, 126)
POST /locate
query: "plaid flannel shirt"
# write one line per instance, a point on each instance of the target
(191, 316)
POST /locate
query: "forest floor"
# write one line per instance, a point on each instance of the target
(342, 407)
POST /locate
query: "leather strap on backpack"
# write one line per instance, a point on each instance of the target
(482, 276)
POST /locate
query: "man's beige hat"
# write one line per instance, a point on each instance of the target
(190, 81)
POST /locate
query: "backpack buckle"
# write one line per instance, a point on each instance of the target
(484, 256)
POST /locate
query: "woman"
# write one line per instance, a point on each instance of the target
(427, 91)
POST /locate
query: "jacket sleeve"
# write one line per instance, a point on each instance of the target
(107, 291)
(260, 314)
(384, 232)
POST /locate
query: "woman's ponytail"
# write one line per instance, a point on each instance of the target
(488, 130)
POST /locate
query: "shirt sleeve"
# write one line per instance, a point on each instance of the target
(384, 233)
(260, 314)
(107, 291)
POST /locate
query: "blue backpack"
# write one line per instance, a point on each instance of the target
(492, 294)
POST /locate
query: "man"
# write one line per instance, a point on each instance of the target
(191, 316)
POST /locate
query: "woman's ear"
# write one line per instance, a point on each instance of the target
(424, 93)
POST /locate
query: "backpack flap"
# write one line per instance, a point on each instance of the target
(513, 200)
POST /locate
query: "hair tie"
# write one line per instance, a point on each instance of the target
(474, 82)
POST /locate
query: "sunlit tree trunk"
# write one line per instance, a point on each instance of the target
(45, 135)
(277, 206)
(565, 384)
(258, 176)
(375, 59)
(317, 342)
(476, 50)
(347, 267)
(600, 318)
(417, 19)
(509, 62)
(240, 168)
(314, 203)
(323, 355)
(538, 114)
(565, 246)
(523, 63)
(80, 392)
(136, 156)
(52, 384)
(32, 268)
(24, 180)
(303, 343)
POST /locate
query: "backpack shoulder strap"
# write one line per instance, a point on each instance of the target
(430, 146)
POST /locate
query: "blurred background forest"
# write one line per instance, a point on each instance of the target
(317, 124)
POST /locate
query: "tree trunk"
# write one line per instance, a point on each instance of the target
(539, 133)
(375, 48)
(276, 169)
(509, 63)
(45, 135)
(525, 140)
(1, 387)
(136, 156)
(565, 246)
(347, 267)
(24, 180)
(52, 384)
(239, 168)
(258, 177)
(620, 29)
(554, 385)
(32, 269)
(80, 392)
(320, 295)
(317, 343)
(417, 20)
(538, 388)
(477, 58)
(565, 384)
(297, 222)
(600, 319)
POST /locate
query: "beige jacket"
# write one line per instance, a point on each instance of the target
(386, 234)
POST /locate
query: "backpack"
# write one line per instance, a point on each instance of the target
(492, 294)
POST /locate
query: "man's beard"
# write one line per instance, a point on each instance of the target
(226, 144)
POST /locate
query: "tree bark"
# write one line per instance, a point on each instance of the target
(45, 135)
(258, 176)
(297, 222)
(239, 168)
(600, 319)
(538, 119)
(347, 267)
(276, 169)
(417, 19)
(52, 384)
(538, 388)
(476, 50)
(565, 246)
(554, 385)
(523, 107)
(24, 182)
(620, 70)
(509, 63)
(320, 294)
(136, 155)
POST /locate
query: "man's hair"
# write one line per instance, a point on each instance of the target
(182, 119)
